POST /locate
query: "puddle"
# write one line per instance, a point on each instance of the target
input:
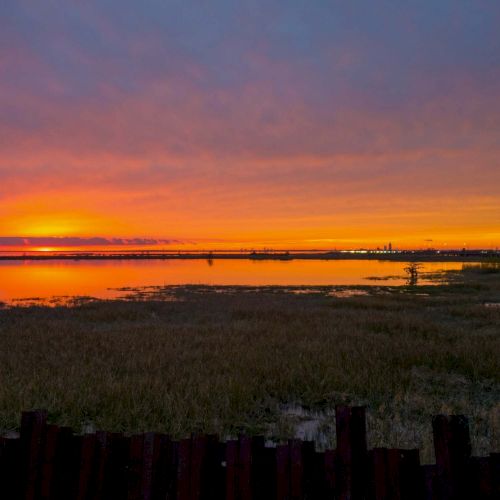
(347, 293)
(310, 425)
(10, 435)
(309, 291)
(63, 300)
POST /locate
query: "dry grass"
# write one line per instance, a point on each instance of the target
(241, 360)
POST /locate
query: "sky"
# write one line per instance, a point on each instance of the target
(263, 123)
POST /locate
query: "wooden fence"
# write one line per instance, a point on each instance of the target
(51, 462)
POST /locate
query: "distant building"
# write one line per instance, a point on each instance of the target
(390, 246)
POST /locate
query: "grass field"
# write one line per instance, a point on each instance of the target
(263, 360)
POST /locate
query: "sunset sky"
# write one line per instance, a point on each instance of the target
(286, 124)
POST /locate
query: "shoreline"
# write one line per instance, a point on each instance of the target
(396, 256)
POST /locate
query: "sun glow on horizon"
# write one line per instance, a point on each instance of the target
(340, 128)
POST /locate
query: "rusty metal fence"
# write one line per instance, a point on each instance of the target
(51, 462)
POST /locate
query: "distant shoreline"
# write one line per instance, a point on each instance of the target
(397, 256)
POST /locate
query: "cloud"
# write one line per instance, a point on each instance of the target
(14, 241)
(183, 118)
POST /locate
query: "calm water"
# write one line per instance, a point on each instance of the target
(32, 279)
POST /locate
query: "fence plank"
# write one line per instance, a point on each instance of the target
(148, 450)
(331, 473)
(263, 471)
(174, 468)
(257, 475)
(198, 458)
(10, 465)
(49, 463)
(378, 482)
(184, 470)
(32, 433)
(140, 471)
(160, 471)
(282, 472)
(495, 474)
(244, 468)
(394, 473)
(411, 475)
(49, 450)
(231, 464)
(135, 459)
(296, 469)
(452, 448)
(429, 473)
(351, 452)
(86, 462)
(101, 466)
(214, 472)
(309, 466)
(480, 485)
(64, 473)
(117, 475)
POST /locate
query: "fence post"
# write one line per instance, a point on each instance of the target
(10, 460)
(394, 457)
(411, 475)
(32, 435)
(245, 468)
(263, 471)
(198, 466)
(429, 478)
(86, 461)
(49, 450)
(282, 472)
(309, 466)
(140, 466)
(494, 459)
(330, 472)
(453, 449)
(231, 460)
(184, 470)
(378, 472)
(48, 463)
(351, 452)
(161, 472)
(63, 471)
(480, 477)
(101, 465)
(173, 465)
(134, 471)
(296, 469)
(117, 482)
(214, 472)
(148, 453)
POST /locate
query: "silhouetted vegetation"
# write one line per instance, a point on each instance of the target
(412, 270)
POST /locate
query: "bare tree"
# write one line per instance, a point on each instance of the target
(412, 270)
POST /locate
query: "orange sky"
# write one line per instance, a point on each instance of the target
(270, 126)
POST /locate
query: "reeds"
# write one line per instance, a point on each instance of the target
(239, 360)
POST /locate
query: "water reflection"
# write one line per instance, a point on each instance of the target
(101, 279)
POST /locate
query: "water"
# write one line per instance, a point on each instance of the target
(101, 279)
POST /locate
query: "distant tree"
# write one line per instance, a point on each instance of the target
(412, 270)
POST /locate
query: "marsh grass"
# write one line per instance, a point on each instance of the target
(232, 360)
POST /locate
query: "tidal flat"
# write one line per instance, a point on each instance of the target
(262, 360)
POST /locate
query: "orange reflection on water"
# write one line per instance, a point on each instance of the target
(45, 279)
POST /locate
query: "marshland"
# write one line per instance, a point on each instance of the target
(263, 360)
